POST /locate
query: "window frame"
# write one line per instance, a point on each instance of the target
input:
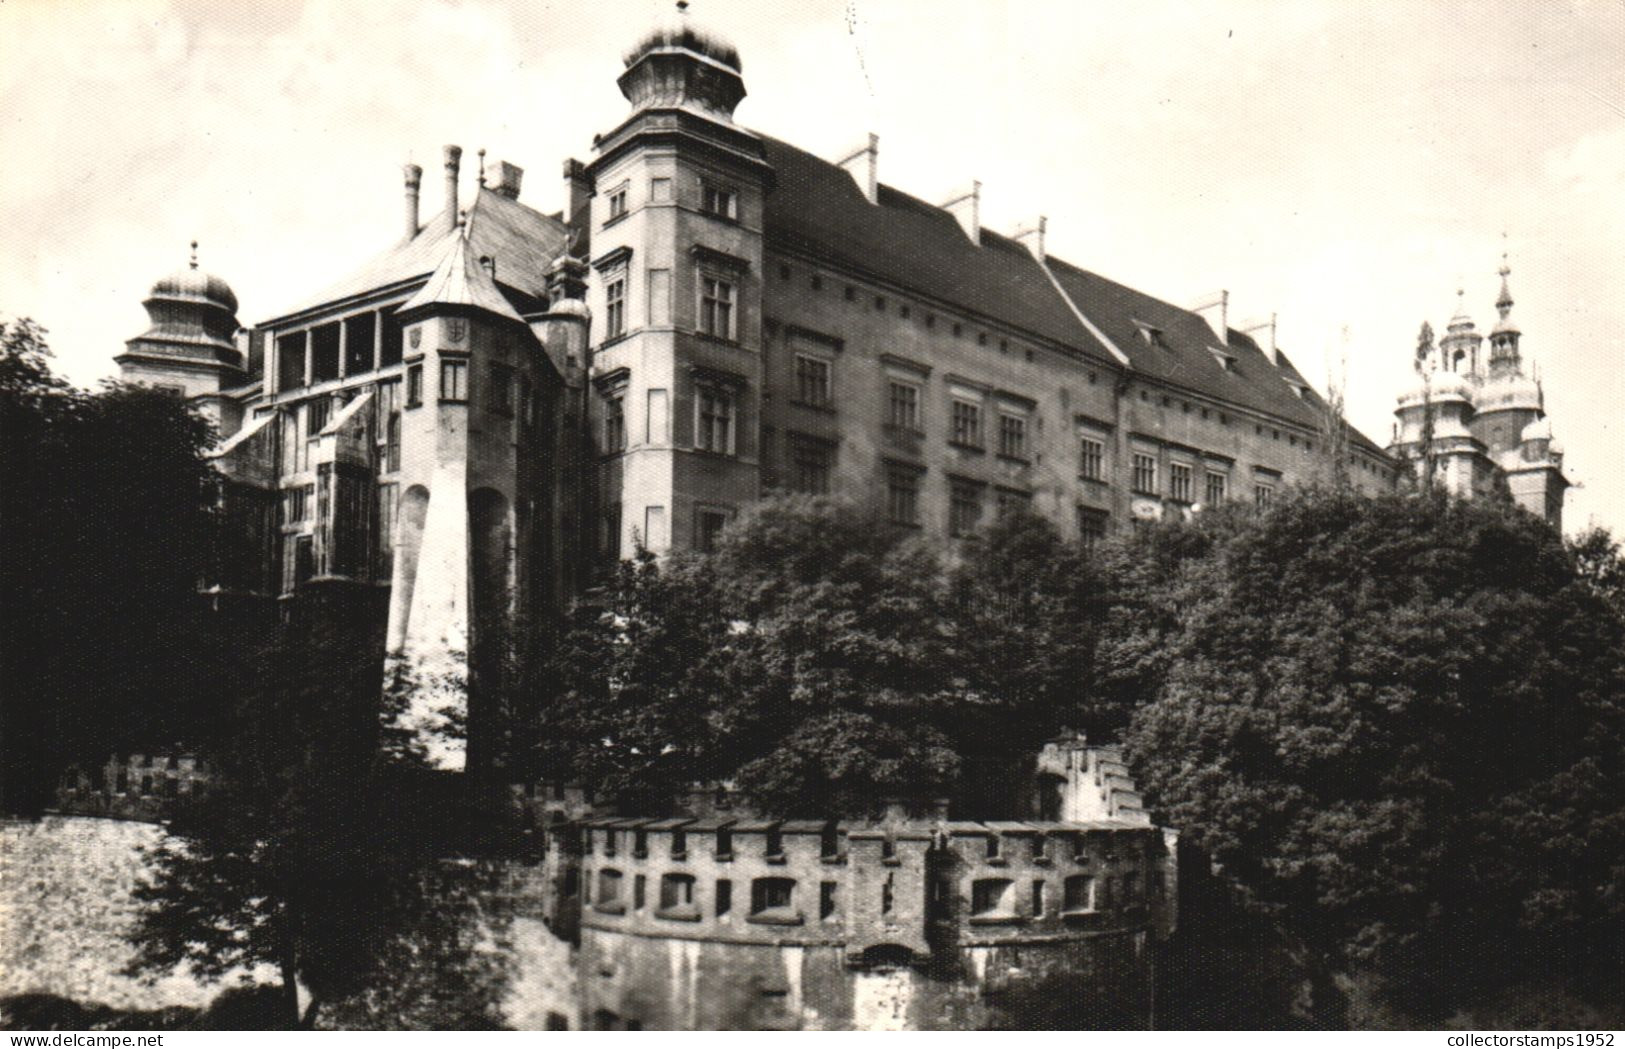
(818, 371)
(1013, 435)
(965, 429)
(1091, 457)
(722, 394)
(915, 421)
(711, 302)
(458, 367)
(615, 296)
(719, 201)
(903, 495)
(1143, 478)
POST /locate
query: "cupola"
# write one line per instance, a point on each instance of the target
(194, 313)
(679, 64)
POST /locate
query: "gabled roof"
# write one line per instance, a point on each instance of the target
(817, 208)
(460, 280)
(521, 240)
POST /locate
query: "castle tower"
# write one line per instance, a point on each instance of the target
(476, 462)
(188, 348)
(675, 289)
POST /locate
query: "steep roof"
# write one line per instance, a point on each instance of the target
(460, 280)
(521, 240)
(816, 206)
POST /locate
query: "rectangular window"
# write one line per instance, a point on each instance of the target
(903, 405)
(388, 408)
(414, 385)
(902, 496)
(715, 200)
(708, 525)
(1218, 486)
(1038, 898)
(967, 424)
(716, 307)
(725, 896)
(1012, 436)
(609, 888)
(615, 306)
(617, 202)
(454, 380)
(771, 894)
(1145, 473)
(660, 190)
(826, 900)
(990, 896)
(320, 411)
(1180, 484)
(714, 429)
(964, 507)
(1080, 893)
(1263, 495)
(810, 463)
(1092, 459)
(501, 389)
(1092, 525)
(615, 421)
(639, 886)
(812, 381)
(295, 505)
(676, 892)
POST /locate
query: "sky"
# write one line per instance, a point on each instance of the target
(1347, 166)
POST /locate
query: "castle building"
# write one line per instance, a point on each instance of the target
(503, 397)
(1474, 424)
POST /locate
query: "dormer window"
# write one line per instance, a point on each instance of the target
(1226, 361)
(1151, 334)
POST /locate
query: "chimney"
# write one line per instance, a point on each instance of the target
(1031, 236)
(1215, 309)
(578, 191)
(454, 158)
(508, 179)
(966, 206)
(863, 164)
(414, 179)
(1260, 324)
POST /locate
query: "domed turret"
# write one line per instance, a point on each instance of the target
(680, 64)
(1459, 347)
(192, 314)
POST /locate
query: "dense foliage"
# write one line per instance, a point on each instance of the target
(1397, 726)
(104, 525)
(820, 662)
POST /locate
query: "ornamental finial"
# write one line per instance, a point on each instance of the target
(193, 261)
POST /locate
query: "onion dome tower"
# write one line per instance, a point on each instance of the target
(679, 64)
(188, 348)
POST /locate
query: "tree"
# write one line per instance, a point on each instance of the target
(1396, 725)
(311, 854)
(822, 662)
(102, 535)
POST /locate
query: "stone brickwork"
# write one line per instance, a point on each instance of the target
(132, 787)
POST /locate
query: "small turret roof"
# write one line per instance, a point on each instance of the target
(462, 280)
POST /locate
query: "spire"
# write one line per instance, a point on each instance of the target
(193, 262)
(1461, 319)
(1503, 302)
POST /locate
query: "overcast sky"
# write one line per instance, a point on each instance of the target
(1346, 165)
